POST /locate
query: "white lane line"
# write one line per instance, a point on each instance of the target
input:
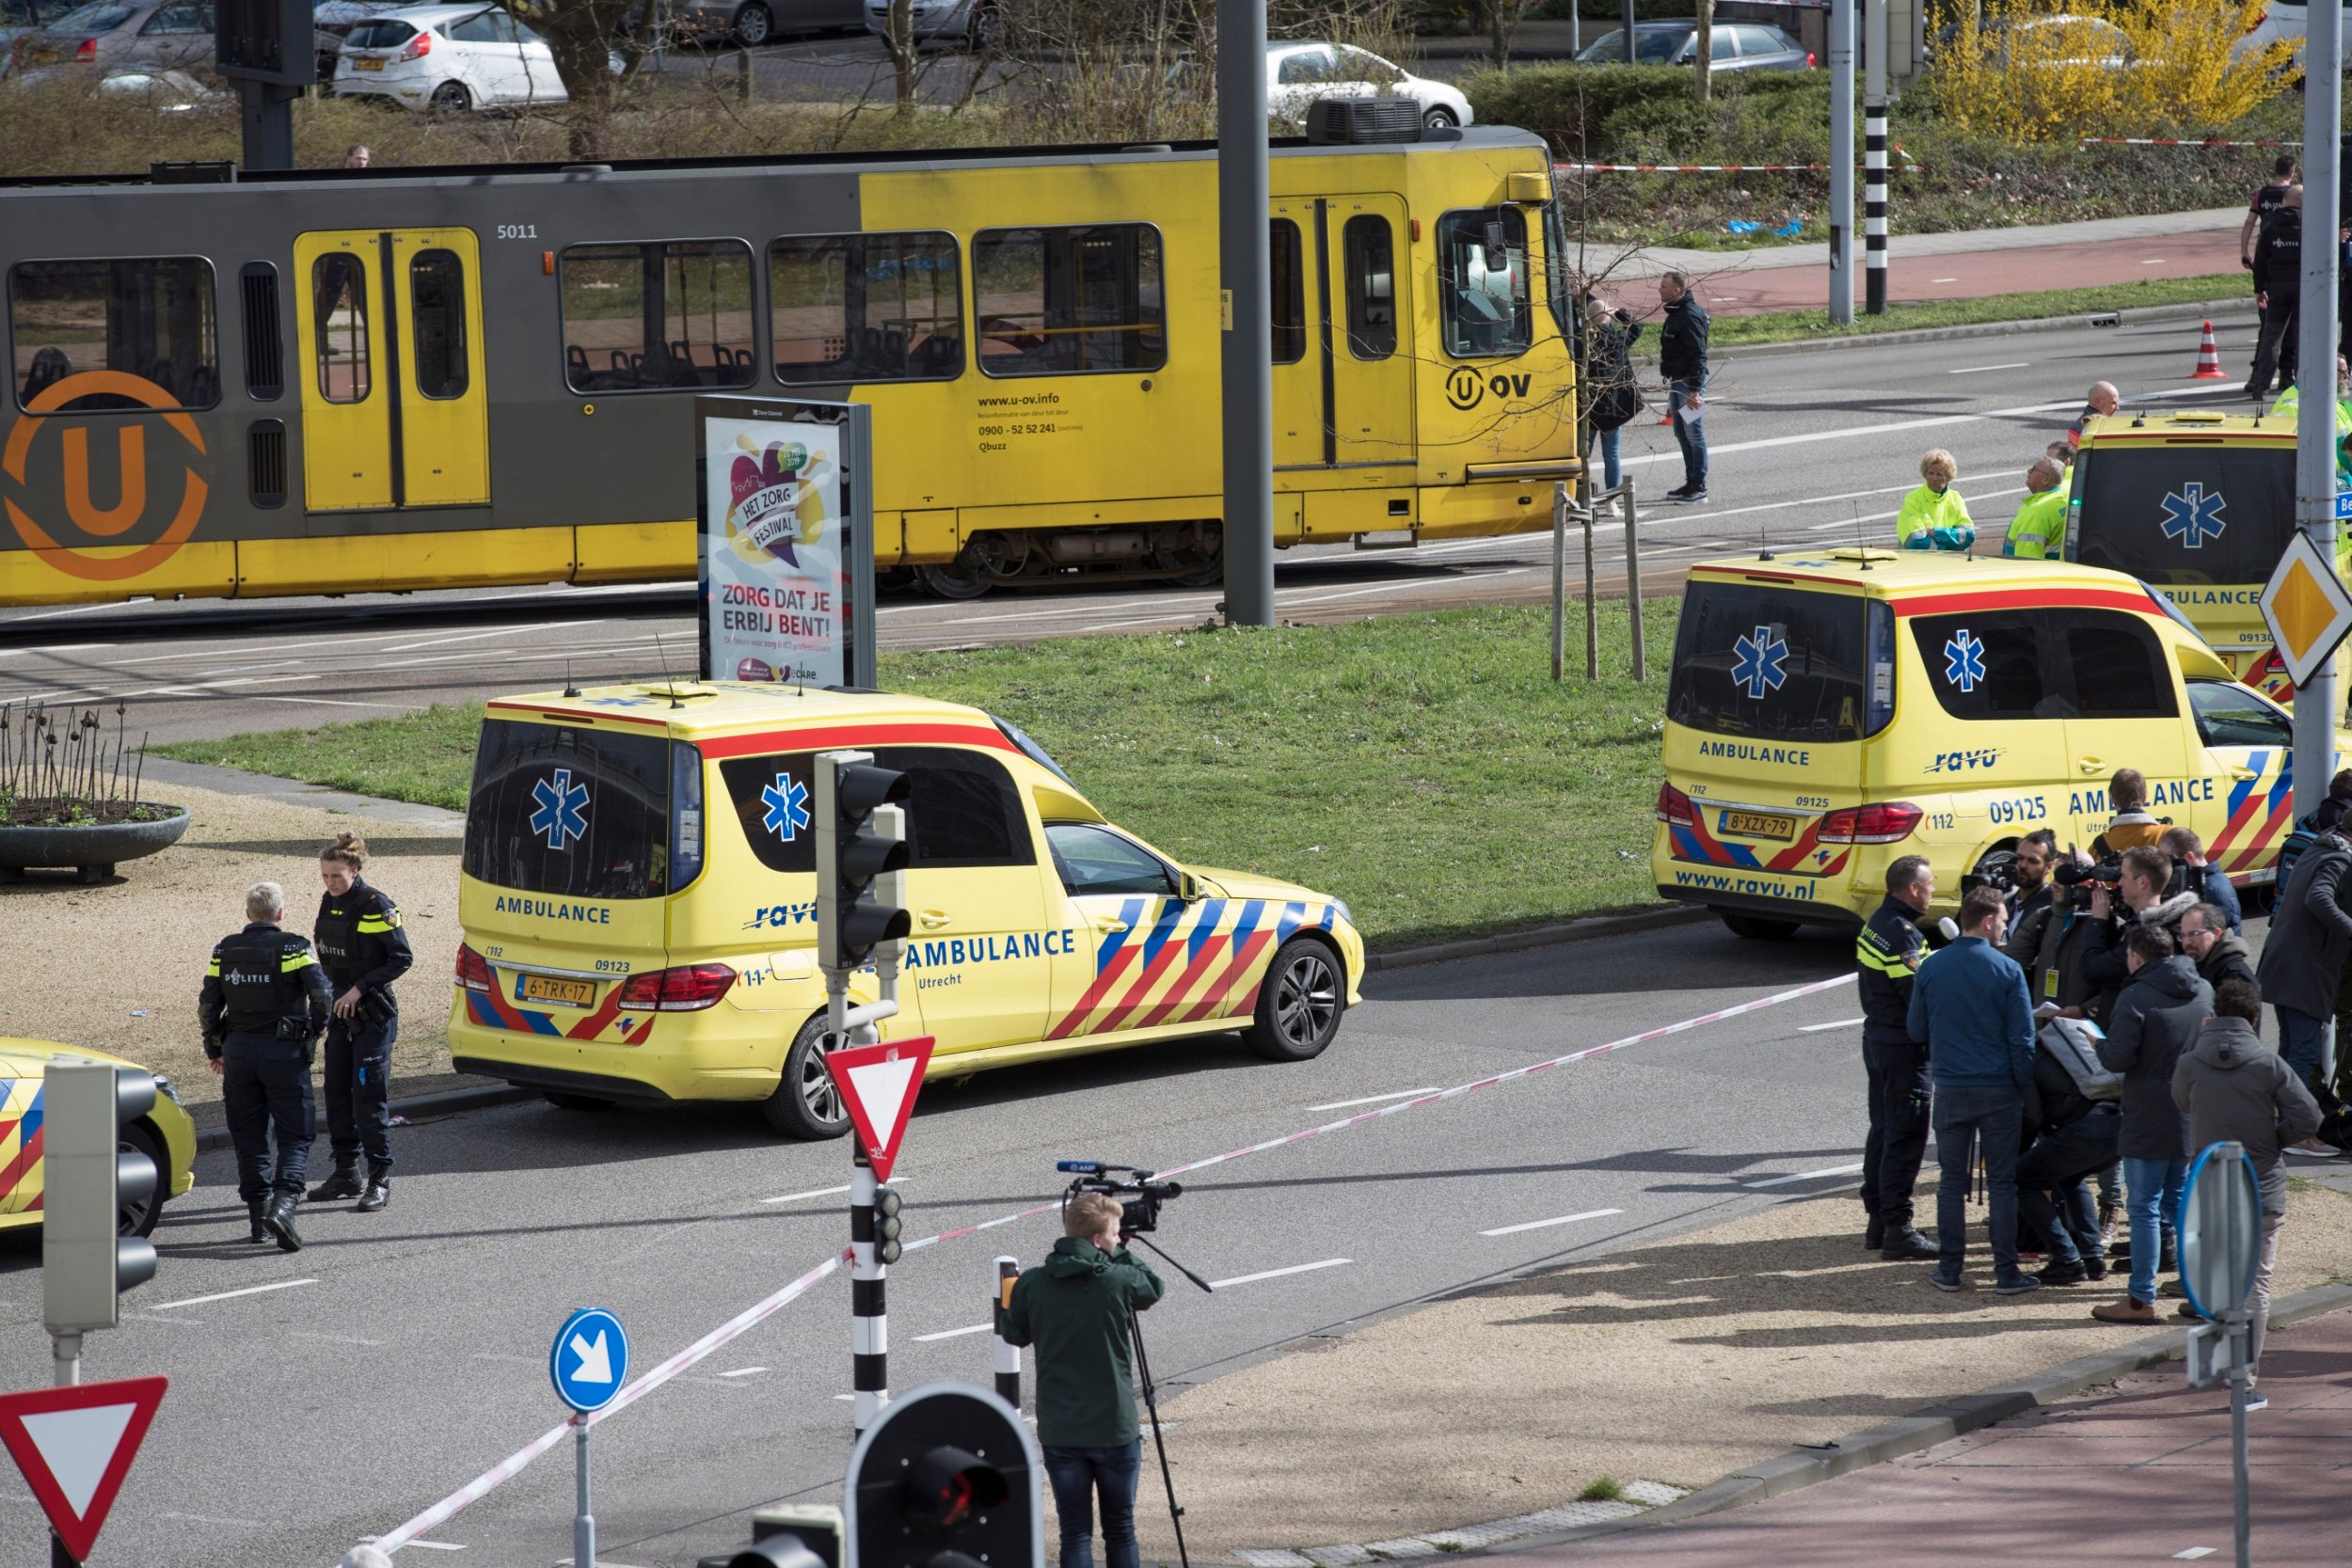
(744, 1371)
(1276, 1274)
(229, 1295)
(1817, 1028)
(2152, 261)
(1980, 370)
(1883, 516)
(502, 631)
(330, 702)
(53, 649)
(1546, 1225)
(2194, 1553)
(1943, 279)
(1806, 1176)
(953, 1333)
(1373, 1100)
(815, 1192)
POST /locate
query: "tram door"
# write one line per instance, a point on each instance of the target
(1343, 341)
(396, 411)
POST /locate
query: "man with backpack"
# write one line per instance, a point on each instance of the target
(2073, 1139)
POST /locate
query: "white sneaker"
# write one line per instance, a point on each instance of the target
(2313, 1149)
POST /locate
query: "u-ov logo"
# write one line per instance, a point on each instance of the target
(104, 526)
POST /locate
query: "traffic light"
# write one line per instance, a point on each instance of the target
(795, 1535)
(948, 1478)
(886, 1225)
(84, 1263)
(852, 851)
(265, 40)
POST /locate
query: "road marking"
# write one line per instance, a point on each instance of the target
(1806, 1176)
(478, 636)
(1980, 370)
(2194, 1553)
(1276, 1274)
(1881, 516)
(2152, 261)
(231, 1295)
(744, 1371)
(814, 1191)
(1817, 1028)
(1373, 1098)
(330, 702)
(1943, 279)
(1546, 1225)
(953, 1333)
(209, 1519)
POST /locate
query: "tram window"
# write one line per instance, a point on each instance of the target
(153, 319)
(1482, 281)
(866, 308)
(650, 317)
(1289, 295)
(339, 303)
(436, 313)
(1068, 301)
(1370, 259)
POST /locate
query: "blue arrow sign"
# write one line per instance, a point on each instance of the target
(590, 1361)
(2343, 506)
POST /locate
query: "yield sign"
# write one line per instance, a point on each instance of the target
(877, 1084)
(75, 1445)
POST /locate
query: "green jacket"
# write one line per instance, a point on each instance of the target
(2040, 527)
(1074, 1308)
(1928, 521)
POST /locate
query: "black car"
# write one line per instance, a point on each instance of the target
(1737, 46)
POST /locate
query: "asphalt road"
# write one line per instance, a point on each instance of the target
(1813, 447)
(326, 1396)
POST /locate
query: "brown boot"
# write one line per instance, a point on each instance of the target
(2128, 1310)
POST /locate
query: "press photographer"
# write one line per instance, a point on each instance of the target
(2193, 873)
(1078, 1310)
(2142, 877)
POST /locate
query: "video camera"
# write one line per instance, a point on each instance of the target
(1139, 1211)
(2075, 881)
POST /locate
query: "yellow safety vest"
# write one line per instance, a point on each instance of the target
(2040, 527)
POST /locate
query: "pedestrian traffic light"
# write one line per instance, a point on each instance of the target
(948, 1478)
(89, 1178)
(886, 1225)
(852, 850)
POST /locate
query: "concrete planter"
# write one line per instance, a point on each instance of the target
(92, 850)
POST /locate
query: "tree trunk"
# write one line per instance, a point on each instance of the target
(899, 39)
(1498, 33)
(1703, 57)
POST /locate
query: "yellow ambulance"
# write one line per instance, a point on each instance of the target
(1830, 712)
(639, 897)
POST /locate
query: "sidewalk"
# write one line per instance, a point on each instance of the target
(2140, 1473)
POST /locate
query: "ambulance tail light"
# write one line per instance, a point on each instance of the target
(1674, 808)
(473, 972)
(689, 989)
(1885, 822)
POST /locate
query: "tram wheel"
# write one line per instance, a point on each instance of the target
(956, 581)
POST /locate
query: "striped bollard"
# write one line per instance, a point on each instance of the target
(869, 1314)
(1007, 1354)
(1874, 204)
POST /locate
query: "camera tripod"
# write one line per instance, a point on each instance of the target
(1152, 1398)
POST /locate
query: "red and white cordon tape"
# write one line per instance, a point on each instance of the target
(2167, 141)
(482, 1485)
(1714, 169)
(508, 1469)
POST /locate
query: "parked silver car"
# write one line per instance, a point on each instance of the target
(969, 23)
(753, 23)
(144, 35)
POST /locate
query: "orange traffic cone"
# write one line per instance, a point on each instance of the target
(2208, 360)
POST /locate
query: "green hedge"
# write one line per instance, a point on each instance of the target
(1645, 113)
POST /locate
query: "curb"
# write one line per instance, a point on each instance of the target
(439, 1103)
(294, 792)
(1939, 1423)
(1538, 936)
(2187, 310)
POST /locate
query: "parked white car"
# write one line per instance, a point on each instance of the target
(1299, 73)
(447, 57)
(2287, 21)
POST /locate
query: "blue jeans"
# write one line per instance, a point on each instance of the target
(1689, 435)
(1077, 1475)
(2155, 1207)
(1606, 441)
(1970, 1118)
(2050, 1184)
(2303, 1042)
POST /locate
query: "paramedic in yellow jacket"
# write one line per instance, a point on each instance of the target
(1933, 516)
(2040, 527)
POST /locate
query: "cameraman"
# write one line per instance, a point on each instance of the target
(1077, 1309)
(1888, 953)
(2140, 880)
(2193, 873)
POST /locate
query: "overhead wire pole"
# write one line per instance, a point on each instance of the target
(2318, 705)
(1244, 265)
(1874, 143)
(1841, 162)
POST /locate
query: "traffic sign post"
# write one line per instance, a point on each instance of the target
(877, 1084)
(2221, 1240)
(75, 1444)
(588, 1365)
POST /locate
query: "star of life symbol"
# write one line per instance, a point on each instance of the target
(562, 813)
(1963, 660)
(2192, 515)
(786, 801)
(1763, 663)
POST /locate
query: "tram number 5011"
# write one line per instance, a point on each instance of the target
(518, 230)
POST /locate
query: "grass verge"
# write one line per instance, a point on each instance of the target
(1776, 326)
(1423, 768)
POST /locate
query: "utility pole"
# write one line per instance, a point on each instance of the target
(1245, 267)
(1874, 142)
(1841, 162)
(2318, 705)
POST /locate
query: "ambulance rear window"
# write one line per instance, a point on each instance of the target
(2187, 514)
(1778, 663)
(578, 812)
(961, 807)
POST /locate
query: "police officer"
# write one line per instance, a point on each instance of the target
(264, 1001)
(364, 949)
(1888, 952)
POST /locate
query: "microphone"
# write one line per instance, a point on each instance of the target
(1948, 927)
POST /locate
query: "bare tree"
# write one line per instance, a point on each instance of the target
(1703, 56)
(1501, 19)
(583, 35)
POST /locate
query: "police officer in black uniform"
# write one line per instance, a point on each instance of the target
(364, 950)
(264, 1001)
(1888, 952)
